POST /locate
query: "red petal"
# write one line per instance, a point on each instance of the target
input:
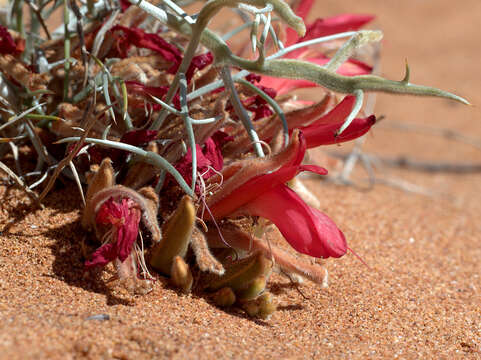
(306, 229)
(124, 5)
(128, 231)
(336, 24)
(205, 158)
(139, 38)
(313, 168)
(7, 44)
(302, 10)
(317, 135)
(338, 114)
(124, 216)
(323, 131)
(258, 185)
(138, 137)
(102, 256)
(198, 63)
(110, 213)
(208, 156)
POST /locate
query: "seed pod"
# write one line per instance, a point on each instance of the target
(181, 276)
(239, 275)
(176, 234)
(224, 297)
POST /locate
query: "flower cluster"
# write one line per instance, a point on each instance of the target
(171, 128)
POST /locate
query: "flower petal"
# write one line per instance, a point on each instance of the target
(302, 10)
(338, 114)
(317, 135)
(8, 45)
(198, 63)
(127, 233)
(124, 216)
(102, 256)
(336, 24)
(138, 137)
(110, 213)
(306, 229)
(141, 39)
(261, 184)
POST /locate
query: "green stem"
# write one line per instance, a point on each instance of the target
(147, 156)
(272, 103)
(240, 110)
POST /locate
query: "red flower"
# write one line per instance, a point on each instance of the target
(8, 45)
(209, 158)
(138, 137)
(319, 28)
(123, 217)
(327, 26)
(256, 187)
(324, 130)
(139, 38)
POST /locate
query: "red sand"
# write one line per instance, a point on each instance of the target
(421, 299)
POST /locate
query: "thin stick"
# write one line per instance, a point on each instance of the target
(68, 159)
(425, 166)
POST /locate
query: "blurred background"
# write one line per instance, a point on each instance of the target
(440, 41)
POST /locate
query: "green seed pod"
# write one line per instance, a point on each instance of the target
(240, 274)
(176, 234)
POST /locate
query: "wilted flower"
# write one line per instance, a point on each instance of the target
(115, 211)
(121, 218)
(8, 45)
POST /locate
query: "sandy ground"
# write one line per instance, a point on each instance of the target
(419, 299)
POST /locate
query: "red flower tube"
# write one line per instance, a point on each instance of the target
(255, 189)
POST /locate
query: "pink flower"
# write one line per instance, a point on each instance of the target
(122, 218)
(256, 187)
